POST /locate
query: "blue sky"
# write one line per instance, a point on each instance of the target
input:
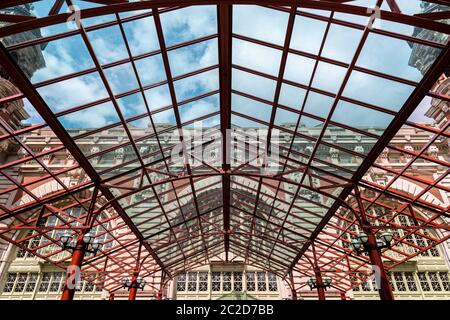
(70, 55)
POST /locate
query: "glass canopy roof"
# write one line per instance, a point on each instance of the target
(272, 86)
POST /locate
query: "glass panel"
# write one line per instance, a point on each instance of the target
(53, 59)
(199, 108)
(284, 117)
(391, 56)
(328, 77)
(341, 43)
(298, 69)
(121, 78)
(254, 85)
(307, 34)
(360, 117)
(132, 105)
(197, 85)
(108, 44)
(141, 35)
(251, 107)
(193, 57)
(158, 97)
(151, 69)
(291, 96)
(164, 117)
(73, 92)
(318, 104)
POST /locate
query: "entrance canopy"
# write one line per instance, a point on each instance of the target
(189, 130)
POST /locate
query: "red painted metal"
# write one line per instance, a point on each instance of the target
(77, 261)
(385, 289)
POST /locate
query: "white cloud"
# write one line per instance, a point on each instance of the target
(260, 23)
(197, 109)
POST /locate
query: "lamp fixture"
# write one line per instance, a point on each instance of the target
(139, 283)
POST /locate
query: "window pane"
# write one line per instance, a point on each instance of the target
(256, 57)
(262, 19)
(141, 35)
(360, 117)
(307, 34)
(391, 56)
(377, 91)
(252, 84)
(341, 43)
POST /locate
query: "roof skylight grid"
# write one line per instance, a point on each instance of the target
(144, 78)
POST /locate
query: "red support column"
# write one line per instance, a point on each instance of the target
(111, 296)
(385, 289)
(343, 297)
(319, 283)
(75, 264)
(134, 287)
(160, 294)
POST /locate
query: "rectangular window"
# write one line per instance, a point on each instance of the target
(99, 284)
(250, 278)
(181, 282)
(366, 286)
(215, 278)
